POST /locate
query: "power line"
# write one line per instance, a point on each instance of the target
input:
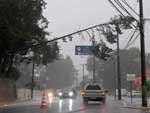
(125, 2)
(116, 8)
(123, 8)
(135, 39)
(128, 43)
(128, 38)
(121, 11)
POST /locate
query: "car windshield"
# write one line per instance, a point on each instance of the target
(66, 56)
(93, 87)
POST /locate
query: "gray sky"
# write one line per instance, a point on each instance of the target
(66, 16)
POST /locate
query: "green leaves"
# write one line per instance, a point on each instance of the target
(102, 51)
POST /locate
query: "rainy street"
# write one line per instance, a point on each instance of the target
(74, 56)
(72, 106)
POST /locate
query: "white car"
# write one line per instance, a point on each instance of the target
(93, 92)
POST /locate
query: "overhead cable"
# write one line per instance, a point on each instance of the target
(123, 8)
(125, 2)
(134, 39)
(129, 42)
(116, 8)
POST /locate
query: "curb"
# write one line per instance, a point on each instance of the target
(138, 107)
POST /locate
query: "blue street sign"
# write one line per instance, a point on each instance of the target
(84, 50)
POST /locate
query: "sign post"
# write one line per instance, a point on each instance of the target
(131, 78)
(87, 50)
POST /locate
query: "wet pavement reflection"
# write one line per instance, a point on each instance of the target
(77, 106)
(56, 105)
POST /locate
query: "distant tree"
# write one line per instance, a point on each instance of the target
(107, 71)
(110, 31)
(58, 74)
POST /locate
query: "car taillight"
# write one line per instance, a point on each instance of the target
(83, 93)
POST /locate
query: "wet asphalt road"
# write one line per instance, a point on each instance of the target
(71, 106)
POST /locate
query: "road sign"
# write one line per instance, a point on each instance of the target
(84, 50)
(130, 77)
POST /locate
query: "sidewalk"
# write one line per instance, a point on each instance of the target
(18, 103)
(136, 104)
(125, 105)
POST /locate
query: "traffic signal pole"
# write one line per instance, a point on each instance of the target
(143, 68)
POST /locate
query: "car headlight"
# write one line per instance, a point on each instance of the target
(70, 93)
(60, 94)
(50, 94)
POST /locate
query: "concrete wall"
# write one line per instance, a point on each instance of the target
(25, 94)
(7, 91)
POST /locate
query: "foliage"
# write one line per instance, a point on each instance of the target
(22, 25)
(13, 75)
(107, 71)
(102, 51)
(110, 32)
(57, 74)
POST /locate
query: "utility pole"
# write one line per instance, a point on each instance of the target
(118, 64)
(143, 68)
(32, 81)
(114, 72)
(94, 79)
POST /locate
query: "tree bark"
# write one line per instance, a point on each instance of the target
(9, 65)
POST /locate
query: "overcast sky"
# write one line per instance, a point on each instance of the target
(66, 16)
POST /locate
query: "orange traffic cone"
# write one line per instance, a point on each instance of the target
(43, 103)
